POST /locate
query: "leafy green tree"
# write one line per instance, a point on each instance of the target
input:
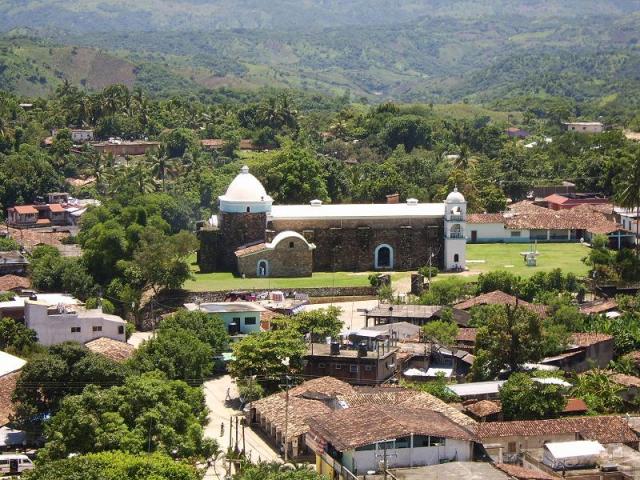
(51, 272)
(498, 280)
(409, 130)
(8, 244)
(523, 398)
(263, 354)
(146, 413)
(440, 331)
(15, 337)
(179, 354)
(319, 324)
(208, 328)
(446, 292)
(114, 466)
(295, 175)
(493, 199)
(179, 141)
(599, 392)
(163, 261)
(49, 376)
(276, 471)
(508, 338)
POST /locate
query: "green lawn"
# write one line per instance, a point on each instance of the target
(567, 256)
(226, 281)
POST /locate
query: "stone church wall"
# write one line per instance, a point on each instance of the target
(284, 261)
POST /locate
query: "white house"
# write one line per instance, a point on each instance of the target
(585, 127)
(61, 323)
(354, 441)
(628, 218)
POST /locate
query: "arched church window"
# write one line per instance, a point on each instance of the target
(456, 258)
(291, 245)
(263, 268)
(248, 209)
(384, 257)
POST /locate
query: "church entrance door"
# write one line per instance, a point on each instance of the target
(263, 268)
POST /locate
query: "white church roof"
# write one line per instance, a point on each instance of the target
(288, 234)
(356, 211)
(245, 188)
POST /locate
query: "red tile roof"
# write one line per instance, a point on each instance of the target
(12, 282)
(594, 308)
(498, 297)
(484, 408)
(485, 218)
(24, 209)
(112, 349)
(588, 339)
(604, 429)
(467, 334)
(522, 473)
(56, 208)
(575, 405)
(7, 387)
(355, 427)
(242, 251)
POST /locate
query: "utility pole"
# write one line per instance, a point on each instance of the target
(286, 421)
(236, 445)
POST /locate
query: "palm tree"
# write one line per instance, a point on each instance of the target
(628, 192)
(140, 175)
(162, 167)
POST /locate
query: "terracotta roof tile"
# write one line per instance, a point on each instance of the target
(7, 387)
(305, 401)
(24, 209)
(355, 427)
(485, 218)
(588, 339)
(484, 408)
(112, 349)
(498, 297)
(575, 405)
(604, 429)
(13, 282)
(467, 334)
(522, 473)
(242, 251)
(593, 308)
(56, 208)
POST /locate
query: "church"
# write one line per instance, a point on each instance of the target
(251, 236)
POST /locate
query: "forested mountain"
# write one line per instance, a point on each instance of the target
(124, 15)
(430, 51)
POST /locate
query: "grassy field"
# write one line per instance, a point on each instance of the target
(567, 256)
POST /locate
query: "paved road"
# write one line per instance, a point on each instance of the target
(221, 410)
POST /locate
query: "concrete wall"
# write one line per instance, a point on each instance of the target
(362, 461)
(241, 318)
(56, 327)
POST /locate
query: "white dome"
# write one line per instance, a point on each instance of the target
(246, 188)
(455, 197)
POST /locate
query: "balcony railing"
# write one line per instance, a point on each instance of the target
(456, 218)
(455, 235)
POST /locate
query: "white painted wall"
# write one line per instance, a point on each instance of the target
(56, 328)
(413, 457)
(453, 247)
(495, 232)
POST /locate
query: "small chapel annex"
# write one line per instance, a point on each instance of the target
(253, 237)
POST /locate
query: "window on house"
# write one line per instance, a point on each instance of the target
(515, 233)
(120, 329)
(250, 321)
(97, 328)
(353, 368)
(436, 442)
(321, 365)
(511, 448)
(338, 366)
(75, 329)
